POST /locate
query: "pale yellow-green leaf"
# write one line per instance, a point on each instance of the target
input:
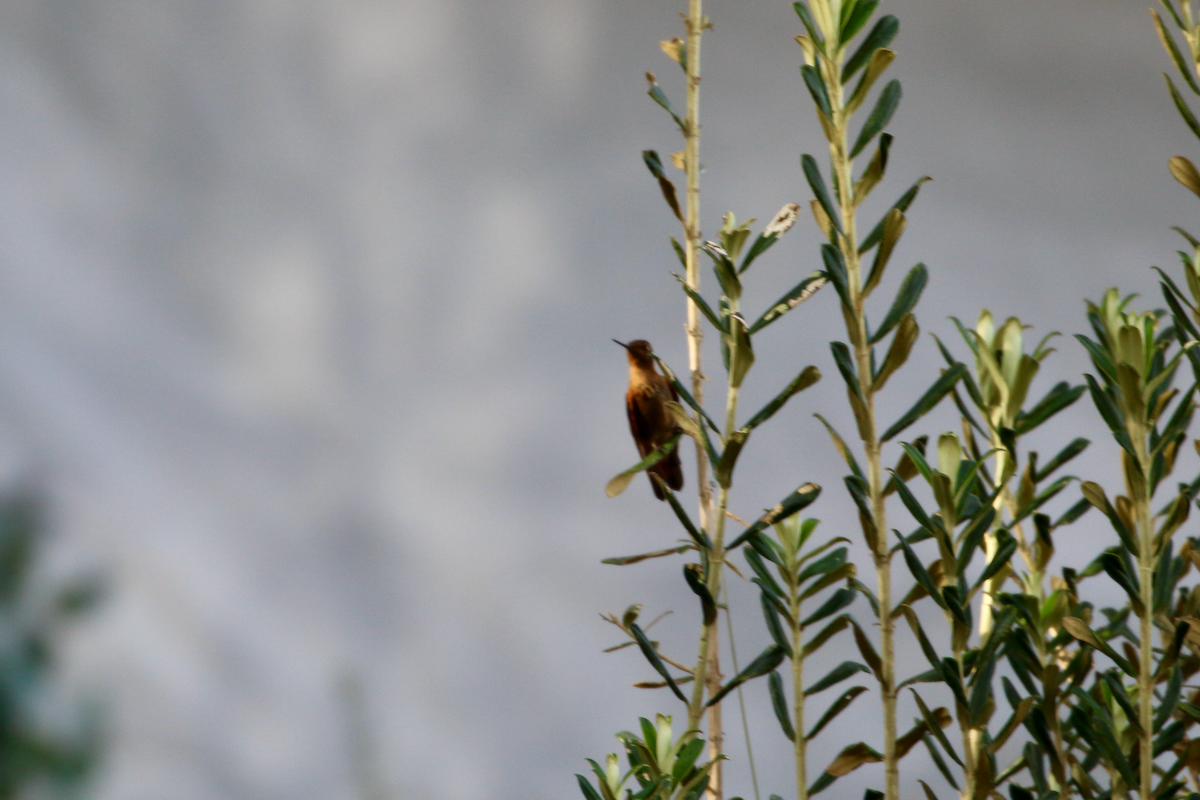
(879, 62)
(824, 224)
(1185, 172)
(673, 48)
(679, 159)
(893, 228)
(680, 416)
(902, 343)
(619, 483)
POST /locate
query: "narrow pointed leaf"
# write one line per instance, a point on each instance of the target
(799, 293)
(881, 35)
(793, 503)
(879, 117)
(812, 173)
(764, 663)
(622, 480)
(838, 674)
(805, 379)
(836, 602)
(837, 707)
(779, 704)
(1182, 107)
(904, 302)
(902, 205)
(930, 399)
(652, 656)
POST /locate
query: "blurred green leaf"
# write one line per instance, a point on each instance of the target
(902, 205)
(798, 294)
(928, 400)
(779, 704)
(1182, 106)
(652, 656)
(835, 676)
(805, 379)
(816, 88)
(765, 662)
(812, 173)
(619, 483)
(879, 117)
(1168, 44)
(793, 503)
(906, 299)
(881, 35)
(835, 708)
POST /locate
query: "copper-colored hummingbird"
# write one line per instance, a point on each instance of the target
(649, 421)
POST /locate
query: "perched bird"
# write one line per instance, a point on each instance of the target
(649, 421)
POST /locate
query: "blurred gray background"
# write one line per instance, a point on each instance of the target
(305, 312)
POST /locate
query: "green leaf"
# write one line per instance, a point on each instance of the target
(933, 727)
(779, 704)
(898, 350)
(664, 183)
(1168, 44)
(817, 642)
(812, 174)
(856, 19)
(893, 228)
(879, 117)
(844, 451)
(656, 93)
(1112, 417)
(999, 561)
(1182, 106)
(1058, 398)
(709, 314)
(881, 59)
(771, 616)
(767, 661)
(623, 560)
(816, 87)
(902, 204)
(814, 32)
(938, 762)
(694, 575)
(919, 573)
(793, 503)
(906, 299)
(835, 271)
(742, 352)
(699, 537)
(652, 656)
(836, 602)
(823, 566)
(837, 707)
(867, 651)
(1069, 452)
(928, 400)
(622, 480)
(873, 174)
(881, 35)
(586, 787)
(805, 379)
(838, 674)
(845, 365)
(723, 469)
(798, 294)
(1184, 171)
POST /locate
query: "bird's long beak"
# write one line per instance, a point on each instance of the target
(622, 344)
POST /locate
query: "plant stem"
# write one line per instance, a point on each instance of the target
(691, 232)
(1140, 489)
(856, 329)
(800, 744)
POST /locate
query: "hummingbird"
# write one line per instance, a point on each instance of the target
(649, 421)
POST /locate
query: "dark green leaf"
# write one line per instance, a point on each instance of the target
(930, 399)
(1112, 417)
(812, 174)
(938, 762)
(588, 790)
(766, 662)
(694, 575)
(906, 299)
(1058, 398)
(919, 573)
(842, 449)
(793, 503)
(699, 537)
(837, 707)
(1182, 106)
(652, 656)
(816, 88)
(805, 379)
(880, 36)
(624, 560)
(1069, 452)
(656, 93)
(857, 18)
(902, 204)
(836, 602)
(621, 480)
(838, 674)
(879, 117)
(799, 293)
(932, 725)
(718, 323)
(779, 704)
(814, 33)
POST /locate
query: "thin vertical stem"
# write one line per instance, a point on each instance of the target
(1140, 485)
(800, 744)
(856, 329)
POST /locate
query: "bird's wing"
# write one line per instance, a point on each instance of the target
(637, 425)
